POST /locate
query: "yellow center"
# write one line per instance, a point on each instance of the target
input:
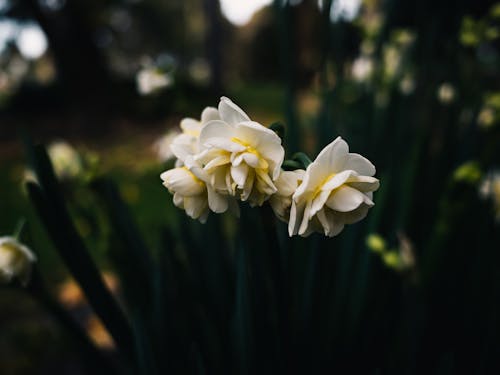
(249, 148)
(320, 186)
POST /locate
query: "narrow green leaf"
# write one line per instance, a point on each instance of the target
(49, 204)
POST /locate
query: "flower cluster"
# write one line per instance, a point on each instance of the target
(226, 157)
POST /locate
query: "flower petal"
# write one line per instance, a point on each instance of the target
(223, 144)
(239, 174)
(190, 125)
(305, 218)
(217, 202)
(209, 114)
(363, 183)
(329, 220)
(288, 181)
(360, 164)
(353, 216)
(345, 199)
(337, 180)
(230, 112)
(333, 157)
(216, 129)
(182, 181)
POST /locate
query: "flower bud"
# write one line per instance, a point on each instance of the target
(15, 261)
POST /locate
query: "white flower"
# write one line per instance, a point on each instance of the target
(191, 193)
(281, 201)
(65, 159)
(150, 80)
(15, 260)
(186, 144)
(162, 146)
(362, 68)
(241, 157)
(490, 189)
(336, 190)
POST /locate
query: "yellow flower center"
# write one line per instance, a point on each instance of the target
(320, 186)
(262, 162)
(249, 148)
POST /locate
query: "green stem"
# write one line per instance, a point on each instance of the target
(302, 158)
(19, 228)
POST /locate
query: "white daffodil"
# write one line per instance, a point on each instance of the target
(186, 143)
(66, 160)
(15, 261)
(192, 194)
(241, 157)
(162, 145)
(281, 201)
(150, 80)
(337, 189)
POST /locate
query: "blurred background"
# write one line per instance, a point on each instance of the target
(412, 85)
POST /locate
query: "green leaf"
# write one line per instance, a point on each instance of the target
(279, 129)
(49, 204)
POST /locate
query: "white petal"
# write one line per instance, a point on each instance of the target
(314, 176)
(337, 180)
(353, 216)
(324, 222)
(256, 134)
(217, 202)
(359, 164)
(335, 225)
(363, 183)
(181, 180)
(178, 200)
(222, 159)
(239, 174)
(305, 219)
(236, 159)
(333, 157)
(195, 206)
(265, 183)
(254, 161)
(216, 129)
(223, 144)
(182, 151)
(296, 214)
(209, 114)
(319, 201)
(247, 189)
(265, 141)
(230, 112)
(190, 125)
(288, 181)
(345, 199)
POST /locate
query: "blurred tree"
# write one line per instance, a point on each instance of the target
(80, 65)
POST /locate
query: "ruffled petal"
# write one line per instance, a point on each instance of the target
(360, 164)
(333, 157)
(346, 199)
(209, 114)
(216, 202)
(230, 112)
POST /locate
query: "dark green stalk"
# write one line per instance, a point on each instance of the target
(48, 201)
